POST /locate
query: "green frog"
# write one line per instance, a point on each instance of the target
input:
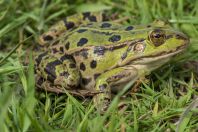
(87, 52)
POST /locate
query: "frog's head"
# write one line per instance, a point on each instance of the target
(154, 46)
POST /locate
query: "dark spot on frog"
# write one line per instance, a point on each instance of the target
(67, 45)
(67, 57)
(105, 25)
(68, 25)
(51, 78)
(55, 42)
(90, 17)
(114, 38)
(65, 74)
(81, 30)
(148, 26)
(36, 68)
(40, 57)
(99, 50)
(124, 55)
(82, 42)
(86, 81)
(102, 87)
(40, 81)
(85, 15)
(129, 28)
(51, 68)
(47, 37)
(72, 65)
(61, 49)
(82, 66)
(104, 17)
(54, 50)
(96, 75)
(93, 64)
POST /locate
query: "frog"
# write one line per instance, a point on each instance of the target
(90, 53)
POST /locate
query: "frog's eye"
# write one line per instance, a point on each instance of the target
(139, 47)
(157, 37)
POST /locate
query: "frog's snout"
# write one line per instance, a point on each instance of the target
(183, 37)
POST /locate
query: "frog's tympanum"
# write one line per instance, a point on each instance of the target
(87, 52)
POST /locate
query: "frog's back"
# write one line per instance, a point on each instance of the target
(96, 47)
(95, 34)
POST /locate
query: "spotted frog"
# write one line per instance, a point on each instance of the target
(87, 52)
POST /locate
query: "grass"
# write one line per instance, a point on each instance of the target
(168, 102)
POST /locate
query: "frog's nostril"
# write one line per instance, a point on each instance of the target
(182, 36)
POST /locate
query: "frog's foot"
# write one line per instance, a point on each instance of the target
(114, 78)
(123, 106)
(42, 84)
(47, 85)
(102, 101)
(136, 86)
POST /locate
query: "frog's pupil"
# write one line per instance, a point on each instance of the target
(157, 35)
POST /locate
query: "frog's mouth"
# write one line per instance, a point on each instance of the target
(160, 58)
(149, 63)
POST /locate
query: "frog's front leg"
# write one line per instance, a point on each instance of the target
(111, 80)
(70, 22)
(58, 69)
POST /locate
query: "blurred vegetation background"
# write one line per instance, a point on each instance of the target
(168, 102)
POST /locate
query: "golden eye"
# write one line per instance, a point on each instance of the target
(139, 47)
(157, 37)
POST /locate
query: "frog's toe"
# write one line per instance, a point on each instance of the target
(105, 105)
(101, 103)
